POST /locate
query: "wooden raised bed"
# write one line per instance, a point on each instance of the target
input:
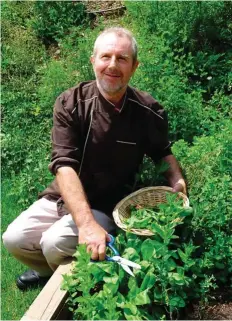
(50, 303)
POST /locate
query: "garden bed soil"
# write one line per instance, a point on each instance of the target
(218, 308)
(218, 311)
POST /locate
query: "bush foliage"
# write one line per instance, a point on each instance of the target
(185, 63)
(53, 19)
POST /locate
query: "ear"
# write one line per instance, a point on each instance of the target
(92, 59)
(134, 67)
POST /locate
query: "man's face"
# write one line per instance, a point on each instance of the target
(113, 64)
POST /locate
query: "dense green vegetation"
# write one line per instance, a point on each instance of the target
(185, 55)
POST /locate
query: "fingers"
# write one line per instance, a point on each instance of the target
(95, 237)
(177, 188)
(94, 252)
(102, 252)
(108, 239)
(97, 252)
(180, 186)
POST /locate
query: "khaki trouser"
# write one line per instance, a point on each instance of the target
(41, 239)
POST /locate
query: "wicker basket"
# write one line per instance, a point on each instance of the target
(146, 197)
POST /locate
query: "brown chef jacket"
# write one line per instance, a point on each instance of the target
(105, 145)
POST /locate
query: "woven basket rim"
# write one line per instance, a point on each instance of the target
(144, 232)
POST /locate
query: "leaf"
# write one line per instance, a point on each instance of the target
(160, 249)
(158, 295)
(142, 298)
(174, 254)
(145, 265)
(170, 264)
(130, 310)
(148, 281)
(134, 290)
(177, 301)
(107, 267)
(111, 279)
(131, 254)
(182, 255)
(158, 229)
(97, 272)
(110, 288)
(121, 301)
(186, 212)
(176, 278)
(131, 283)
(147, 249)
(134, 241)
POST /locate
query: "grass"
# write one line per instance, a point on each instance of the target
(14, 302)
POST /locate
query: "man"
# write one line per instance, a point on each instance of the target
(101, 131)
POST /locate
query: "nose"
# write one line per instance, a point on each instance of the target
(112, 63)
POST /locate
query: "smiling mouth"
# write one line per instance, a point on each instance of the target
(114, 76)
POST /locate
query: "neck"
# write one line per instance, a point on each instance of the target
(114, 98)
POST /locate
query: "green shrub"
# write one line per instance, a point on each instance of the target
(200, 28)
(15, 13)
(55, 77)
(53, 19)
(196, 25)
(207, 166)
(22, 52)
(32, 178)
(76, 50)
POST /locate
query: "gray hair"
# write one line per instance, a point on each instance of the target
(120, 32)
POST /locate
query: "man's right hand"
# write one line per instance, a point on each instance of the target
(95, 237)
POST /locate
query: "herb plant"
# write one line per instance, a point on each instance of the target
(102, 290)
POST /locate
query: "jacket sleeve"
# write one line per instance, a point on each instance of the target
(66, 137)
(157, 142)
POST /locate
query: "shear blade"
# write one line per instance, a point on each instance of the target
(127, 269)
(123, 261)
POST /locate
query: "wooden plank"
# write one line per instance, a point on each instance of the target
(107, 10)
(51, 300)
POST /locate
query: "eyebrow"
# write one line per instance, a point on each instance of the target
(119, 55)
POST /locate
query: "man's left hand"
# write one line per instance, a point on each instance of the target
(180, 186)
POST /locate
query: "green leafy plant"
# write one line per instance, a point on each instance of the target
(207, 167)
(156, 217)
(159, 288)
(53, 19)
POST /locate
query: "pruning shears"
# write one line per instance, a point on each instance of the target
(124, 263)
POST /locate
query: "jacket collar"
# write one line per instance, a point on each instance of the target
(108, 107)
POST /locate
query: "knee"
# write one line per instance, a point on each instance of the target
(54, 248)
(13, 240)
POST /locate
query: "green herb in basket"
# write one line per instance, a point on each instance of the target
(141, 217)
(145, 217)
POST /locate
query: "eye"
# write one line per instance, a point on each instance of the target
(105, 57)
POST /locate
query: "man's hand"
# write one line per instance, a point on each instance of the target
(174, 175)
(180, 186)
(95, 237)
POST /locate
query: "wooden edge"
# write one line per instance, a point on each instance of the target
(107, 10)
(51, 299)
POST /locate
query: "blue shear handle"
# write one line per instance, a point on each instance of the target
(110, 244)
